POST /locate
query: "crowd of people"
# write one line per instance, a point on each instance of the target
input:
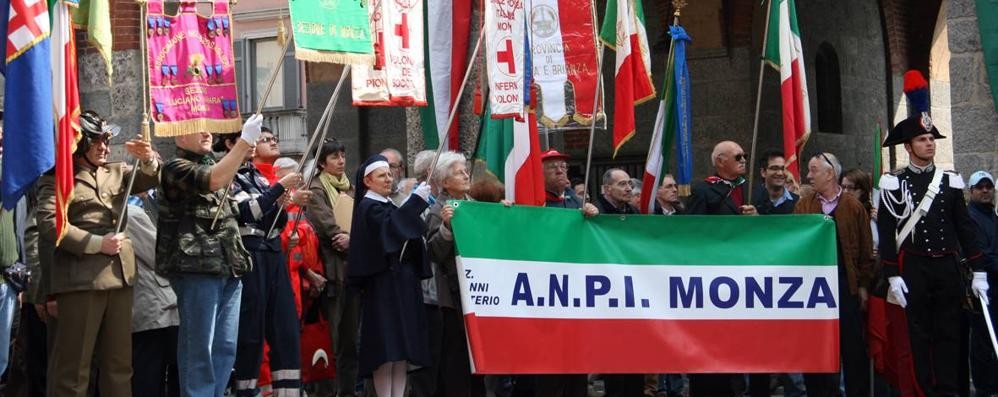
(230, 269)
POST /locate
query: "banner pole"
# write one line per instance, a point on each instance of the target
(259, 108)
(758, 103)
(597, 96)
(324, 122)
(119, 226)
(453, 108)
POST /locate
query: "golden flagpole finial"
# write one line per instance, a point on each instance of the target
(282, 32)
(678, 6)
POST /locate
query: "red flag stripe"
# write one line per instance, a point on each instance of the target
(521, 345)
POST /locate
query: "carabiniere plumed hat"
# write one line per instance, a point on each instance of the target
(919, 122)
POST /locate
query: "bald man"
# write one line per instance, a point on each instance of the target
(724, 192)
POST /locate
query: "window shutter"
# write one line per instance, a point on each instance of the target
(292, 84)
(239, 53)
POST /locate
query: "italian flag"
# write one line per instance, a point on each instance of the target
(657, 163)
(511, 152)
(66, 103)
(784, 52)
(448, 26)
(620, 296)
(624, 31)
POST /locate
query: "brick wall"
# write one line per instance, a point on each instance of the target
(125, 24)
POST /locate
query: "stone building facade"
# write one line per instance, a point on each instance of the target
(855, 54)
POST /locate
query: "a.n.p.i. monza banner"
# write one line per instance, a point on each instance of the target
(548, 291)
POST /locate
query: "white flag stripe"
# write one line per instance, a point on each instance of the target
(440, 40)
(657, 292)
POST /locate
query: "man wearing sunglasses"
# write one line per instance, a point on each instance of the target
(724, 192)
(93, 270)
(925, 230)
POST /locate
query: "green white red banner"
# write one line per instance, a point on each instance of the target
(548, 291)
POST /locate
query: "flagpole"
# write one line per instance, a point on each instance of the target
(596, 99)
(324, 122)
(758, 103)
(145, 118)
(259, 107)
(453, 108)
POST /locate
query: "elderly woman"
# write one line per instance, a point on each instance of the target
(386, 261)
(451, 180)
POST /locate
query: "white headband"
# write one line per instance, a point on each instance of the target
(375, 165)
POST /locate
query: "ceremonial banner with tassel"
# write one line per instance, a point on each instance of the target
(504, 51)
(335, 31)
(192, 79)
(563, 37)
(398, 77)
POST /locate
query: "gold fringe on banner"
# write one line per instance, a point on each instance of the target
(684, 190)
(187, 127)
(345, 58)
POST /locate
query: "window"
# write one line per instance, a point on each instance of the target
(255, 59)
(829, 83)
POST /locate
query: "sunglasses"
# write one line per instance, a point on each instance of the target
(741, 157)
(268, 139)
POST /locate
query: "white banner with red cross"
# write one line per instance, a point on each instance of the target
(504, 23)
(397, 77)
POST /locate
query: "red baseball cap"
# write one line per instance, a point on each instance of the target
(553, 154)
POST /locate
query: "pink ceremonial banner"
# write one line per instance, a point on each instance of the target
(192, 77)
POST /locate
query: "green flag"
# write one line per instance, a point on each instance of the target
(95, 17)
(337, 31)
(495, 141)
(987, 14)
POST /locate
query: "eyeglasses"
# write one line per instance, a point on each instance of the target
(741, 157)
(776, 168)
(268, 139)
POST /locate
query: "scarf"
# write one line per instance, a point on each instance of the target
(333, 186)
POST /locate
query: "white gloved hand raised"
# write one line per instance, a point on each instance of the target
(252, 129)
(423, 191)
(896, 293)
(980, 286)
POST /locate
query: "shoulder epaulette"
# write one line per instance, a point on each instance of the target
(889, 182)
(955, 180)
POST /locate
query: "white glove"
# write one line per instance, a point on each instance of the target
(423, 191)
(980, 286)
(896, 293)
(252, 129)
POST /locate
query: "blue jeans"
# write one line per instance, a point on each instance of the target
(209, 325)
(8, 302)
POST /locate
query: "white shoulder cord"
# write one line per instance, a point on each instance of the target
(905, 202)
